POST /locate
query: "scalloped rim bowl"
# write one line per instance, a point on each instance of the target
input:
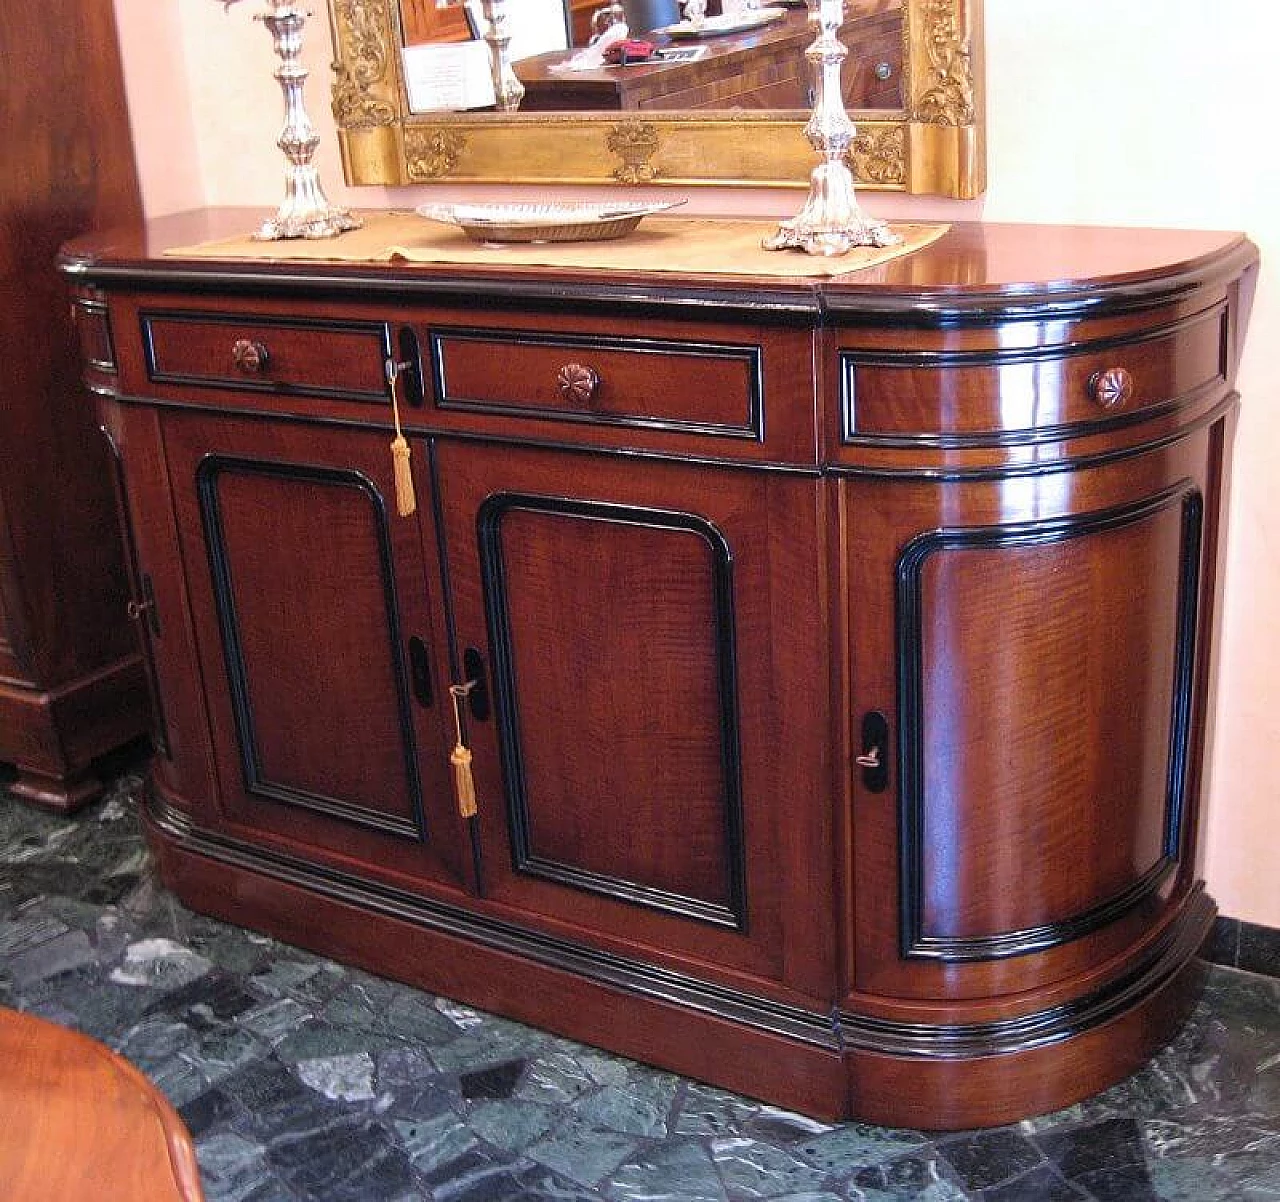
(563, 221)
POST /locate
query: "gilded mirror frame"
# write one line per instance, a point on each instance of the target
(934, 144)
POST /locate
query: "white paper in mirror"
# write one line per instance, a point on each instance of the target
(448, 77)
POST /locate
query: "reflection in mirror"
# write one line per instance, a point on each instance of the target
(742, 59)
(724, 105)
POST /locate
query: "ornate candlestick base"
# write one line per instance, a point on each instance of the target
(831, 222)
(305, 212)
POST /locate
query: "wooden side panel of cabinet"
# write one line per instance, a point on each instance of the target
(183, 763)
(1040, 646)
(316, 625)
(648, 763)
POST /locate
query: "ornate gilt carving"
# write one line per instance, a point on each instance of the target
(879, 155)
(432, 153)
(635, 143)
(949, 98)
(362, 31)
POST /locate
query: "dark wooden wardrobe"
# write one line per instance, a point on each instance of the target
(72, 685)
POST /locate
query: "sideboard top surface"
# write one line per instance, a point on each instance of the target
(972, 267)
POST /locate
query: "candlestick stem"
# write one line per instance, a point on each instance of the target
(305, 212)
(508, 91)
(831, 221)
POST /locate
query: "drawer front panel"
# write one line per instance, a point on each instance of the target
(685, 387)
(321, 358)
(954, 398)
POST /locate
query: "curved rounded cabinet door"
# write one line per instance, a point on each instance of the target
(1041, 645)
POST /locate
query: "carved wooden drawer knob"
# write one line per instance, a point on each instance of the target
(249, 356)
(1111, 388)
(578, 383)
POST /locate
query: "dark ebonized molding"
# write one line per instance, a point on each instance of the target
(1174, 952)
(507, 696)
(774, 302)
(140, 586)
(927, 309)
(752, 427)
(1041, 466)
(415, 426)
(319, 328)
(918, 943)
(97, 312)
(837, 1031)
(851, 361)
(631, 976)
(451, 636)
(211, 470)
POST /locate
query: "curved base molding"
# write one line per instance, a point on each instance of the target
(837, 1065)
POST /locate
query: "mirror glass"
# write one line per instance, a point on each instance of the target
(724, 103)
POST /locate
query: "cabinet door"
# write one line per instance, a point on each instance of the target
(1039, 646)
(652, 768)
(314, 613)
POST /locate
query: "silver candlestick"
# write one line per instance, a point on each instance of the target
(305, 212)
(831, 222)
(508, 91)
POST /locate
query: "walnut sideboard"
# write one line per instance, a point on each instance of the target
(838, 649)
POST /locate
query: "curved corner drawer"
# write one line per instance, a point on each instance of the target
(340, 359)
(682, 387)
(973, 397)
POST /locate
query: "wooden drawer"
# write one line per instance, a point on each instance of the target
(685, 387)
(954, 398)
(342, 359)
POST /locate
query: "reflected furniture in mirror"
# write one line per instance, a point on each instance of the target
(760, 69)
(920, 128)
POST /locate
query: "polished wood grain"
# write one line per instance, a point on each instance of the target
(71, 678)
(1009, 391)
(641, 380)
(685, 541)
(287, 357)
(77, 1121)
(320, 735)
(642, 751)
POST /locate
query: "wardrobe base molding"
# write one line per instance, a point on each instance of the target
(54, 737)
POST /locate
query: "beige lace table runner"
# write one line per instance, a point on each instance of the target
(689, 245)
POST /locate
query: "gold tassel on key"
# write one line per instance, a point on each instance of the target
(406, 501)
(464, 784)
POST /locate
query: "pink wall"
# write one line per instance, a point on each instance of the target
(1119, 112)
